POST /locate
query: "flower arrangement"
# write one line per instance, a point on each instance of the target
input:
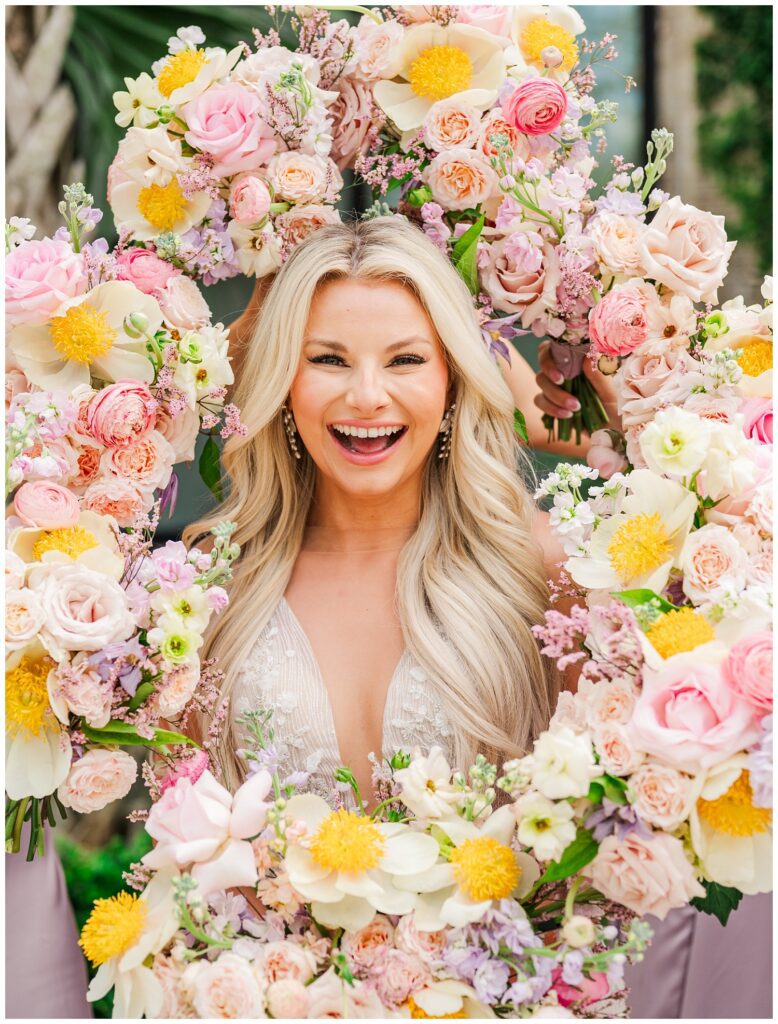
(114, 367)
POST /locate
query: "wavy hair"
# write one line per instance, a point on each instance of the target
(470, 580)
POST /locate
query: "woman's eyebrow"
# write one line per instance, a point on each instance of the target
(336, 346)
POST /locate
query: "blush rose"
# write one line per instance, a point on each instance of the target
(748, 671)
(97, 779)
(226, 123)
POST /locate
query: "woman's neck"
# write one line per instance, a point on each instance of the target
(345, 524)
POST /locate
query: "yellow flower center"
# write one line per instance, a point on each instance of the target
(541, 33)
(679, 631)
(114, 925)
(418, 1014)
(180, 69)
(756, 356)
(485, 868)
(734, 811)
(348, 842)
(70, 540)
(82, 334)
(162, 205)
(27, 707)
(639, 545)
(440, 71)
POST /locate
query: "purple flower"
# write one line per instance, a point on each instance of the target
(490, 980)
(572, 968)
(464, 960)
(498, 331)
(616, 819)
(90, 217)
(616, 201)
(760, 765)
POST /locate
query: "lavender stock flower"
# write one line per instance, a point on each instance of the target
(490, 980)
(616, 819)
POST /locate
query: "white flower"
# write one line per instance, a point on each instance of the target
(675, 443)
(187, 609)
(727, 467)
(146, 211)
(208, 368)
(449, 997)
(214, 64)
(711, 561)
(562, 764)
(138, 106)
(571, 520)
(150, 156)
(91, 543)
(257, 252)
(544, 826)
(578, 931)
(425, 786)
(348, 866)
(767, 289)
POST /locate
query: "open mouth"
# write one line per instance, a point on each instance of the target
(349, 438)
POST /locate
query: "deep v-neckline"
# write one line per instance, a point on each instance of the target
(322, 685)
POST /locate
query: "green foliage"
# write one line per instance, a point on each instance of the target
(719, 900)
(97, 874)
(210, 467)
(577, 855)
(734, 87)
(465, 253)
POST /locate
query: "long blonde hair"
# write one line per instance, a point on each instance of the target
(470, 580)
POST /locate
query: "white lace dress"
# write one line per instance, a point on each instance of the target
(281, 673)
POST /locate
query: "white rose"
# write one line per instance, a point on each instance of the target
(377, 48)
(675, 443)
(225, 987)
(606, 702)
(562, 764)
(712, 562)
(24, 616)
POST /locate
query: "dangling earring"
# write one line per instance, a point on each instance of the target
(445, 432)
(291, 431)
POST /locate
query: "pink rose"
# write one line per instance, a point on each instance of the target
(712, 562)
(39, 276)
(249, 200)
(85, 610)
(351, 115)
(617, 324)
(46, 505)
(687, 716)
(649, 876)
(398, 976)
(227, 987)
(281, 960)
(121, 413)
(603, 457)
(661, 373)
(183, 305)
(660, 795)
(16, 383)
(226, 123)
(24, 617)
(287, 999)
(97, 779)
(617, 754)
(115, 497)
(301, 178)
(758, 419)
(748, 671)
(367, 947)
(591, 990)
(687, 250)
(536, 107)
(522, 278)
(84, 691)
(460, 179)
(450, 123)
(144, 269)
(494, 18)
(147, 463)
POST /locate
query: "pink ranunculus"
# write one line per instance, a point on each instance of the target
(758, 419)
(115, 497)
(121, 413)
(366, 948)
(39, 276)
(287, 999)
(687, 716)
(591, 990)
(537, 106)
(249, 199)
(85, 610)
(183, 305)
(351, 115)
(144, 269)
(97, 779)
(603, 457)
(147, 463)
(494, 18)
(649, 876)
(460, 179)
(617, 324)
(226, 123)
(46, 505)
(748, 671)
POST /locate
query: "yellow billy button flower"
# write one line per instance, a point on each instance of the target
(734, 813)
(639, 545)
(70, 540)
(114, 925)
(485, 868)
(441, 71)
(82, 334)
(679, 631)
(347, 842)
(756, 356)
(162, 205)
(27, 707)
(540, 34)
(180, 69)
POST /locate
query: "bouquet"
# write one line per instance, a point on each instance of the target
(113, 369)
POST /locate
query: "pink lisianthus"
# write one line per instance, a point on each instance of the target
(226, 123)
(591, 989)
(249, 200)
(217, 599)
(121, 413)
(144, 269)
(47, 505)
(758, 419)
(39, 276)
(536, 107)
(97, 779)
(618, 324)
(748, 671)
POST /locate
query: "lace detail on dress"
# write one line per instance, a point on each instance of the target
(281, 673)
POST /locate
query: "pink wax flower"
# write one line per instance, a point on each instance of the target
(617, 324)
(225, 122)
(536, 107)
(47, 505)
(144, 269)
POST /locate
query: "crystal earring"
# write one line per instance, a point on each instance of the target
(445, 432)
(291, 431)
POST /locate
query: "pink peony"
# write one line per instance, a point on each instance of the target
(536, 107)
(591, 989)
(97, 779)
(748, 671)
(144, 269)
(39, 276)
(249, 200)
(121, 413)
(460, 179)
(85, 610)
(226, 123)
(351, 115)
(617, 324)
(758, 419)
(47, 505)
(183, 305)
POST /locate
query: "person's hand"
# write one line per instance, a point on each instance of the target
(553, 400)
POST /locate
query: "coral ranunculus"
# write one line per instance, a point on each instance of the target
(536, 106)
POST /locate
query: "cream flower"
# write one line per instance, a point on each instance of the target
(539, 27)
(349, 866)
(638, 546)
(150, 156)
(437, 62)
(482, 867)
(544, 826)
(562, 764)
(138, 106)
(450, 998)
(257, 252)
(148, 210)
(425, 786)
(87, 338)
(91, 543)
(675, 443)
(187, 74)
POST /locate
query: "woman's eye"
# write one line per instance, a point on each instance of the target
(328, 360)
(408, 360)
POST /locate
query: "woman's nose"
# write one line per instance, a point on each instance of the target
(367, 390)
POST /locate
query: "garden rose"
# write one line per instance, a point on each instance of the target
(301, 178)
(121, 413)
(147, 463)
(351, 116)
(617, 754)
(301, 221)
(649, 876)
(227, 987)
(281, 960)
(46, 505)
(376, 48)
(618, 324)
(287, 999)
(748, 671)
(144, 269)
(39, 276)
(83, 691)
(712, 562)
(660, 795)
(521, 278)
(661, 373)
(608, 702)
(758, 419)
(97, 779)
(615, 238)
(367, 947)
(494, 123)
(537, 106)
(460, 179)
(24, 616)
(183, 305)
(687, 250)
(428, 945)
(450, 123)
(226, 123)
(249, 200)
(180, 432)
(115, 497)
(562, 764)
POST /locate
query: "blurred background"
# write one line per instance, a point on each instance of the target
(705, 73)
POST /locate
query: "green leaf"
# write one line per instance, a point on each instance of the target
(614, 789)
(419, 196)
(520, 425)
(635, 598)
(209, 467)
(596, 792)
(577, 855)
(719, 900)
(125, 734)
(465, 253)
(143, 691)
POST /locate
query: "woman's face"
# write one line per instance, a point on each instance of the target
(371, 362)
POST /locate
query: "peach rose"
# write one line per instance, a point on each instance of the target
(615, 238)
(46, 505)
(287, 999)
(301, 178)
(296, 224)
(85, 610)
(84, 691)
(24, 616)
(649, 876)
(660, 795)
(367, 947)
(494, 123)
(97, 779)
(147, 464)
(281, 960)
(748, 671)
(521, 278)
(116, 497)
(450, 124)
(351, 115)
(617, 753)
(460, 179)
(712, 561)
(183, 305)
(608, 702)
(177, 689)
(660, 373)
(687, 250)
(121, 413)
(227, 987)
(40, 275)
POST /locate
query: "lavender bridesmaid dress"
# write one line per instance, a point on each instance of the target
(695, 968)
(45, 972)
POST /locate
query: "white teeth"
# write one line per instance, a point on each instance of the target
(365, 431)
(362, 432)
